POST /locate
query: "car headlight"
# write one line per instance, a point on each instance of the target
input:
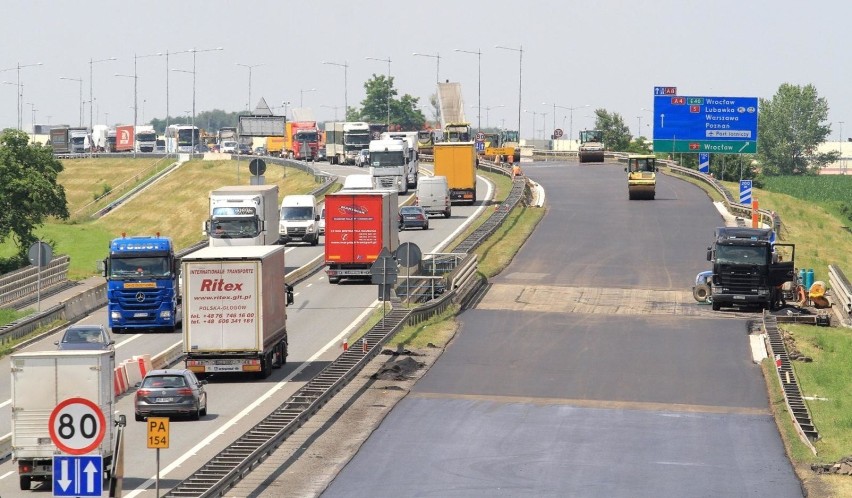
(115, 315)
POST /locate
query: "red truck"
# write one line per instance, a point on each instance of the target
(357, 226)
(298, 134)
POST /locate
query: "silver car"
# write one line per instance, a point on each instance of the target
(85, 337)
(171, 392)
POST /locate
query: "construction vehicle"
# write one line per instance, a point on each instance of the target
(457, 132)
(641, 176)
(425, 141)
(750, 268)
(591, 146)
(457, 162)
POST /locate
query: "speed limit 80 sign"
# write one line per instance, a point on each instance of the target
(77, 426)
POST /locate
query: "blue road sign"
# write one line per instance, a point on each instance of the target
(705, 124)
(745, 192)
(480, 146)
(78, 475)
(704, 162)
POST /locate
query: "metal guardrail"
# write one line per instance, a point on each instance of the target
(841, 291)
(18, 285)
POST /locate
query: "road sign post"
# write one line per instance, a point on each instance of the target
(384, 272)
(40, 255)
(704, 162)
(745, 192)
(78, 475)
(705, 124)
(77, 426)
(158, 437)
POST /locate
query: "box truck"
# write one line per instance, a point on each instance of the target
(41, 382)
(235, 303)
(457, 161)
(299, 219)
(243, 215)
(358, 224)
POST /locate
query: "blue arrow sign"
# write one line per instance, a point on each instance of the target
(705, 124)
(480, 146)
(78, 475)
(704, 162)
(745, 192)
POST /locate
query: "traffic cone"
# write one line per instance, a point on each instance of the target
(364, 344)
(345, 344)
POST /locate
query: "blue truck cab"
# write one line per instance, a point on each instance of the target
(142, 284)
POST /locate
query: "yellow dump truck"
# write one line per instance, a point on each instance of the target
(274, 145)
(641, 176)
(457, 161)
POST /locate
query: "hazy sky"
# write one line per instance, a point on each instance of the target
(605, 53)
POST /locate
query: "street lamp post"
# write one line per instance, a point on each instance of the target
(437, 57)
(345, 67)
(80, 81)
(302, 96)
(285, 104)
(135, 87)
(388, 60)
(335, 107)
(520, 80)
(91, 85)
(194, 52)
(20, 99)
(488, 110)
(478, 55)
(33, 111)
(534, 129)
(250, 67)
(571, 110)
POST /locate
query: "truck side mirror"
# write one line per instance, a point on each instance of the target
(709, 254)
(102, 267)
(317, 218)
(289, 291)
(205, 227)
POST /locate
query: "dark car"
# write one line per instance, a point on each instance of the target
(413, 216)
(171, 392)
(85, 337)
(321, 154)
(244, 149)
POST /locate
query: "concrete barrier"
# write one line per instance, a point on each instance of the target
(144, 362)
(120, 380)
(134, 375)
(86, 302)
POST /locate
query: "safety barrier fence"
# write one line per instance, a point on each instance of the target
(841, 291)
(20, 284)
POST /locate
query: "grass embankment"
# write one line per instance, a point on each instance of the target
(812, 214)
(175, 206)
(493, 256)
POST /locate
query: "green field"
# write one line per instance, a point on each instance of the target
(175, 206)
(832, 192)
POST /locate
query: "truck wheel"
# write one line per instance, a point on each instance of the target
(717, 306)
(447, 213)
(139, 418)
(196, 414)
(315, 241)
(25, 483)
(333, 280)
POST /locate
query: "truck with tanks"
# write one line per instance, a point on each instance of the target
(43, 381)
(235, 301)
(243, 215)
(358, 225)
(142, 284)
(749, 268)
(457, 162)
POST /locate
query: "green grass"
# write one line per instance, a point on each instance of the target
(176, 206)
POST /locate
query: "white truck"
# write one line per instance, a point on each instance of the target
(243, 215)
(146, 138)
(413, 169)
(389, 162)
(41, 382)
(81, 141)
(299, 219)
(234, 302)
(356, 137)
(100, 134)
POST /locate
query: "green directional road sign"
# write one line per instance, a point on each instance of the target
(715, 146)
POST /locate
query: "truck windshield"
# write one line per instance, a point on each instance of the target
(741, 255)
(297, 213)
(360, 138)
(307, 136)
(139, 267)
(381, 159)
(77, 140)
(234, 228)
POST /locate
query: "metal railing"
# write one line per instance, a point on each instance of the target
(20, 284)
(841, 291)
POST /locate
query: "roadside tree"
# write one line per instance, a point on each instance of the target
(29, 192)
(616, 134)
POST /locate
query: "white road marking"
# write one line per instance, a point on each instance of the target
(334, 343)
(7, 474)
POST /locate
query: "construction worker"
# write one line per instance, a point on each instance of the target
(516, 170)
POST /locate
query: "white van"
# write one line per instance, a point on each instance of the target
(299, 219)
(433, 194)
